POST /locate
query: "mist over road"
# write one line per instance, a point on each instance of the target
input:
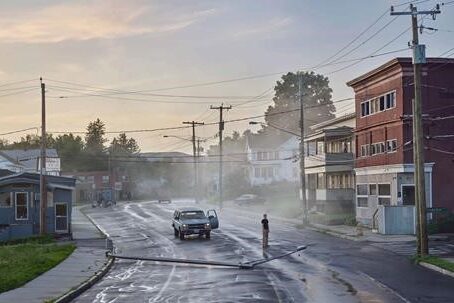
(332, 270)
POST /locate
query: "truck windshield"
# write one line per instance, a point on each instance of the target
(192, 215)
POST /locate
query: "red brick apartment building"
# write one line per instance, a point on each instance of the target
(384, 148)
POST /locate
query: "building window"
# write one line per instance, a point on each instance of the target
(391, 145)
(384, 194)
(5, 199)
(361, 202)
(321, 181)
(91, 179)
(21, 206)
(320, 147)
(362, 195)
(257, 172)
(378, 104)
(276, 155)
(373, 189)
(105, 179)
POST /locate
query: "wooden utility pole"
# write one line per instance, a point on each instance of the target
(194, 152)
(419, 58)
(221, 129)
(42, 171)
(302, 154)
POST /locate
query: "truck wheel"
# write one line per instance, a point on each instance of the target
(175, 232)
(181, 235)
(208, 235)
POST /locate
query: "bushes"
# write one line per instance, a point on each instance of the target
(351, 221)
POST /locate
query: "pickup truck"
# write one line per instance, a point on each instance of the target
(193, 221)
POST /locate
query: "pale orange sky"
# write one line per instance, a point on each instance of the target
(149, 45)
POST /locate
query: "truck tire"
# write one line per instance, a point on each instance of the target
(181, 235)
(208, 235)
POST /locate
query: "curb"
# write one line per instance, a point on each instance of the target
(68, 297)
(436, 268)
(313, 228)
(72, 294)
(334, 234)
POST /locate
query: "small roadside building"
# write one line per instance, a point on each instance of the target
(20, 205)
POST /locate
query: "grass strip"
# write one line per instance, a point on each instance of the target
(442, 263)
(21, 263)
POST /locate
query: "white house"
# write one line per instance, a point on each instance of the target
(272, 158)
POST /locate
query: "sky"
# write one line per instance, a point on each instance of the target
(89, 53)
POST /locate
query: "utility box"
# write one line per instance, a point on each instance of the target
(396, 219)
(419, 54)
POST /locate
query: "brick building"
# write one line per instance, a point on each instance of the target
(384, 148)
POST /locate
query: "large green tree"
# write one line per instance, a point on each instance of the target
(316, 100)
(94, 137)
(124, 145)
(70, 148)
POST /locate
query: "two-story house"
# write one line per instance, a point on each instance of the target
(328, 164)
(272, 158)
(383, 135)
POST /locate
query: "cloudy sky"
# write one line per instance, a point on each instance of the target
(92, 52)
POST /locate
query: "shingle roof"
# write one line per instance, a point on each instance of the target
(29, 157)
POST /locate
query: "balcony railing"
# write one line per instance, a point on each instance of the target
(329, 159)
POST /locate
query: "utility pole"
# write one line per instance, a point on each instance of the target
(221, 129)
(302, 154)
(419, 58)
(42, 171)
(194, 151)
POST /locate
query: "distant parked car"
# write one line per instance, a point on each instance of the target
(193, 221)
(164, 200)
(249, 199)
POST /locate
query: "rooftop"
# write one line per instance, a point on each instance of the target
(396, 61)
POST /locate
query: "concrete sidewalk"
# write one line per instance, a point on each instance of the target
(87, 260)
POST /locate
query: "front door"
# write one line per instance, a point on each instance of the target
(408, 194)
(61, 218)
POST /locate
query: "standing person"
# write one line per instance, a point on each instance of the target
(266, 231)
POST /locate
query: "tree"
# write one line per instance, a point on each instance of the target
(316, 100)
(30, 142)
(70, 148)
(124, 145)
(94, 138)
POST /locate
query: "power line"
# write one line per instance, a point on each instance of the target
(17, 82)
(19, 131)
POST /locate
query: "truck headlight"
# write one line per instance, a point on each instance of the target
(185, 226)
(207, 226)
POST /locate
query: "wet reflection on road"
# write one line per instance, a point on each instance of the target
(143, 229)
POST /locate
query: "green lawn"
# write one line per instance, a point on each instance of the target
(21, 263)
(438, 262)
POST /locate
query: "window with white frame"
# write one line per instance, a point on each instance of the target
(384, 194)
(378, 104)
(5, 199)
(105, 179)
(391, 145)
(21, 206)
(362, 195)
(257, 172)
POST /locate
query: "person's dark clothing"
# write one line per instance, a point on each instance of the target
(265, 224)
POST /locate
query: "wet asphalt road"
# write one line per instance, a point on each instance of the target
(332, 270)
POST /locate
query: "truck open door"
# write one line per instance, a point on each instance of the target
(213, 217)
